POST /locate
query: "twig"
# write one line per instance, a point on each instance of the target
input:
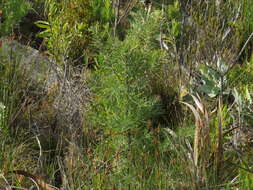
(230, 130)
(244, 46)
(7, 186)
(36, 184)
(233, 20)
(40, 155)
(239, 55)
(116, 16)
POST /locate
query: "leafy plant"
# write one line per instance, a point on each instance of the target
(67, 30)
(211, 80)
(173, 15)
(102, 11)
(124, 108)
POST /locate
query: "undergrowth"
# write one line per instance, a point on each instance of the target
(170, 106)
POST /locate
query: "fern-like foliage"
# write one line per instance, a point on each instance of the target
(124, 106)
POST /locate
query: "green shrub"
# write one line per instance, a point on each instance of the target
(126, 109)
(67, 29)
(13, 11)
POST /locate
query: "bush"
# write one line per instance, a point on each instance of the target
(12, 13)
(126, 111)
(66, 30)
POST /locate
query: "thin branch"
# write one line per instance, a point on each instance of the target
(36, 184)
(117, 5)
(244, 46)
(239, 55)
(233, 20)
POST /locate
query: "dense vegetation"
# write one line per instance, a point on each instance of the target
(154, 95)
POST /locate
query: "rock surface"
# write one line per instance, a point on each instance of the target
(59, 101)
(37, 66)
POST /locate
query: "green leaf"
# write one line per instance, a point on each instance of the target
(44, 34)
(211, 91)
(42, 24)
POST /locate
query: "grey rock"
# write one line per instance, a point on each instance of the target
(35, 66)
(49, 81)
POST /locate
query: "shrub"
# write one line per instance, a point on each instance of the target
(66, 30)
(126, 112)
(12, 12)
